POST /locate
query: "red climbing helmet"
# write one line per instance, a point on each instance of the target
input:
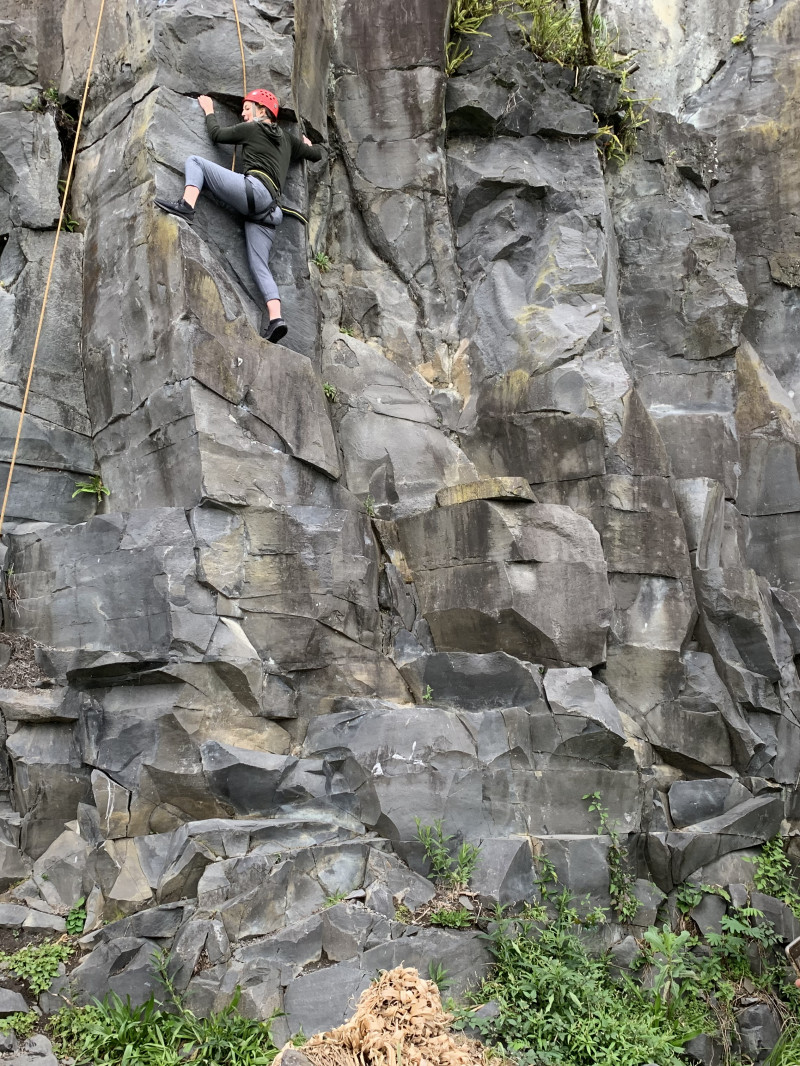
(266, 99)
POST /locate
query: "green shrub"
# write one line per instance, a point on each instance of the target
(620, 880)
(558, 1005)
(113, 1033)
(773, 874)
(36, 965)
(452, 917)
(76, 919)
(452, 870)
(94, 487)
(21, 1022)
(554, 33)
(552, 30)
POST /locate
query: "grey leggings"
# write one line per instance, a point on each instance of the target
(230, 189)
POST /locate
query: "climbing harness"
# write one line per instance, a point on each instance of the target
(261, 218)
(67, 184)
(267, 180)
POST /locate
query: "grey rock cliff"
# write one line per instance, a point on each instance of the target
(511, 518)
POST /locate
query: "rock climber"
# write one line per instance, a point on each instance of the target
(268, 152)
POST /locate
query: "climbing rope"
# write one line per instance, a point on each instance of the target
(244, 68)
(67, 184)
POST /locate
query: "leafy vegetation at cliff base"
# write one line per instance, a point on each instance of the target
(116, 1033)
(560, 1002)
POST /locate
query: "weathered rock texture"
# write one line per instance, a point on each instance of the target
(537, 537)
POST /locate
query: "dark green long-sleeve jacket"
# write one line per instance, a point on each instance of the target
(267, 147)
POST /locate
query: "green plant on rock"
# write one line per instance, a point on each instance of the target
(452, 917)
(113, 1033)
(331, 392)
(93, 486)
(466, 18)
(773, 874)
(557, 1004)
(558, 34)
(670, 956)
(36, 965)
(335, 897)
(745, 926)
(787, 1051)
(402, 913)
(620, 880)
(446, 868)
(690, 896)
(369, 505)
(321, 262)
(76, 919)
(617, 139)
(20, 1022)
(427, 695)
(570, 34)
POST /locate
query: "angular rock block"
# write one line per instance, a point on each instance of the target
(504, 872)
(529, 581)
(50, 780)
(95, 561)
(672, 857)
(699, 800)
(494, 488)
(18, 58)
(580, 861)
(38, 705)
(587, 719)
(466, 681)
(522, 206)
(432, 763)
(30, 154)
(699, 313)
(126, 966)
(60, 871)
(509, 92)
(392, 442)
(766, 243)
(176, 47)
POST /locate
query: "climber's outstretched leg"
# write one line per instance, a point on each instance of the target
(259, 246)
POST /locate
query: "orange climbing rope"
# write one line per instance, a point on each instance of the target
(244, 68)
(50, 271)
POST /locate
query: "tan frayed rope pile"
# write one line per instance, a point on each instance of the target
(399, 1021)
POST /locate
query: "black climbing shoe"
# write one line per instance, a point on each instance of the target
(176, 207)
(275, 330)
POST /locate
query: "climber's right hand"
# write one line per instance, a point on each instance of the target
(206, 103)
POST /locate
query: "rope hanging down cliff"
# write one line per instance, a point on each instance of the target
(244, 68)
(67, 184)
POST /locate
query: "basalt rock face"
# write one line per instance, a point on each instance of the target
(509, 519)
